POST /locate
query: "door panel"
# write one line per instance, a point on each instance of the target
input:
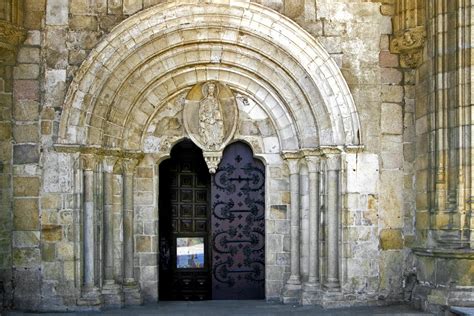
(238, 226)
(184, 236)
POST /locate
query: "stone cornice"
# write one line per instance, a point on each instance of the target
(113, 152)
(445, 253)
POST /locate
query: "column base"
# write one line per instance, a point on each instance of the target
(91, 297)
(132, 294)
(112, 295)
(332, 299)
(311, 294)
(292, 293)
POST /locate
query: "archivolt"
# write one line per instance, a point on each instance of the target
(172, 46)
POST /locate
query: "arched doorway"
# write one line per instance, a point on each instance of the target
(212, 227)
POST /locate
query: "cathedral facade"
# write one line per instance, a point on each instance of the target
(312, 152)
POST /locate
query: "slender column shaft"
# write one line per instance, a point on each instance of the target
(129, 167)
(333, 223)
(89, 164)
(88, 228)
(313, 167)
(108, 220)
(295, 278)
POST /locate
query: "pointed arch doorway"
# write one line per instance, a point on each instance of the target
(212, 227)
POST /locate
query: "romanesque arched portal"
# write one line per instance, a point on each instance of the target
(127, 106)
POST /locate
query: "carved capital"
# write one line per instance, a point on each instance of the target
(313, 163)
(11, 36)
(129, 165)
(89, 162)
(409, 44)
(108, 163)
(333, 161)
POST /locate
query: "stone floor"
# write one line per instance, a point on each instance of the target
(217, 308)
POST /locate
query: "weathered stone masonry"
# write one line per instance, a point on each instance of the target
(360, 111)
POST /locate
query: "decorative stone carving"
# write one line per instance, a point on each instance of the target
(409, 44)
(210, 118)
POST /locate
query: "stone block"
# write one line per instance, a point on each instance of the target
(83, 22)
(57, 12)
(55, 87)
(388, 60)
(59, 177)
(48, 252)
(27, 295)
(27, 133)
(26, 90)
(33, 38)
(391, 239)
(51, 233)
(26, 110)
(362, 173)
(65, 250)
(25, 214)
(26, 186)
(278, 211)
(391, 76)
(29, 55)
(56, 51)
(392, 94)
(26, 71)
(114, 7)
(25, 239)
(132, 6)
(52, 270)
(143, 243)
(24, 154)
(5, 131)
(392, 119)
(26, 257)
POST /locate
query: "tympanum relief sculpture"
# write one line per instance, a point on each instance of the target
(210, 119)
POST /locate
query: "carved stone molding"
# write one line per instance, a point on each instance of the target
(409, 44)
(89, 162)
(210, 119)
(11, 36)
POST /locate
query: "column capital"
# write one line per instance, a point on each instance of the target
(313, 163)
(89, 162)
(333, 161)
(108, 162)
(129, 165)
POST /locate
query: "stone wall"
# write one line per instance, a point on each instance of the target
(378, 200)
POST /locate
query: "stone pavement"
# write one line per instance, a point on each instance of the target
(217, 308)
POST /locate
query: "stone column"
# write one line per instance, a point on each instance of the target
(292, 289)
(90, 293)
(333, 169)
(312, 286)
(111, 291)
(131, 288)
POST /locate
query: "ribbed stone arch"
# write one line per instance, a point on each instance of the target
(170, 47)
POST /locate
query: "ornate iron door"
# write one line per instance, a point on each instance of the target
(238, 226)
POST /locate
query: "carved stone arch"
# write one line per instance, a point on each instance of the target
(99, 102)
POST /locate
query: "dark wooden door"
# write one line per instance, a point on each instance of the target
(184, 230)
(238, 226)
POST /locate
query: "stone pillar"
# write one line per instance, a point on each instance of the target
(111, 291)
(312, 286)
(90, 293)
(131, 288)
(292, 289)
(333, 168)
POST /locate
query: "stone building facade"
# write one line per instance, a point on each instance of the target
(360, 111)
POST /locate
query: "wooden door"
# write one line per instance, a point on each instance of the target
(184, 225)
(238, 226)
